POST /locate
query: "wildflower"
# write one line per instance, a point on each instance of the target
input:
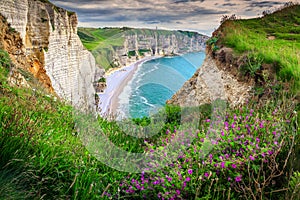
(233, 125)
(187, 179)
(208, 120)
(155, 182)
(251, 157)
(178, 192)
(229, 179)
(206, 174)
(274, 132)
(169, 179)
(190, 171)
(270, 152)
(223, 165)
(238, 178)
(233, 166)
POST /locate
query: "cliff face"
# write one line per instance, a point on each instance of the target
(117, 47)
(214, 80)
(156, 43)
(53, 49)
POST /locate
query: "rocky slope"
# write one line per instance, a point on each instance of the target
(213, 81)
(53, 49)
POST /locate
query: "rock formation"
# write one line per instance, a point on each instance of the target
(57, 56)
(214, 80)
(156, 42)
(123, 46)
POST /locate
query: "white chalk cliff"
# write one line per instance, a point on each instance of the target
(50, 35)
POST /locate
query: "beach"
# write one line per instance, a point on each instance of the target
(116, 80)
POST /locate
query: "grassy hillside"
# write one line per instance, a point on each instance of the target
(273, 39)
(102, 43)
(254, 153)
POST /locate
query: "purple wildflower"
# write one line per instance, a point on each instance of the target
(223, 165)
(270, 152)
(251, 157)
(187, 179)
(238, 178)
(178, 192)
(190, 171)
(206, 174)
(169, 178)
(233, 166)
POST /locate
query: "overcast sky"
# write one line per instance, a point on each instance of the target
(197, 15)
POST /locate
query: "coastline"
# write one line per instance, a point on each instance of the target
(116, 81)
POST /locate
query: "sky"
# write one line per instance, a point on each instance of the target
(202, 16)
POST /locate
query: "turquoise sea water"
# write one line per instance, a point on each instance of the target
(155, 82)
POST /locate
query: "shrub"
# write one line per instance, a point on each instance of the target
(102, 80)
(252, 65)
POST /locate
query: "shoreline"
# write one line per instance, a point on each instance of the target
(116, 81)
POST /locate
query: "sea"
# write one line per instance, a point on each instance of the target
(156, 81)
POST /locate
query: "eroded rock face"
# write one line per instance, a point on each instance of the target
(156, 42)
(53, 48)
(209, 83)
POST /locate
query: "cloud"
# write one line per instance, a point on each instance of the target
(262, 4)
(196, 15)
(229, 4)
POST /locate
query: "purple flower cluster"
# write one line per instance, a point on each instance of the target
(243, 138)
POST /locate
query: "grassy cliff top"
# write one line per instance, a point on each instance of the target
(273, 39)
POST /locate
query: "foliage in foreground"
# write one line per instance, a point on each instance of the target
(246, 154)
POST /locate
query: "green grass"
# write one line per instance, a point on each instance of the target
(254, 36)
(102, 43)
(43, 156)
(41, 153)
